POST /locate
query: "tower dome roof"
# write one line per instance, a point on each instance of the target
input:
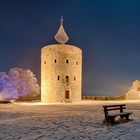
(61, 36)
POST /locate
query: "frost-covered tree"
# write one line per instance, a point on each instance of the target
(18, 83)
(3, 80)
(6, 89)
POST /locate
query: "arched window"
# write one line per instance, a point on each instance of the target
(55, 61)
(67, 78)
(67, 61)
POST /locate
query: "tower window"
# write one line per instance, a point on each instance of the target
(44, 62)
(67, 61)
(76, 62)
(67, 79)
(58, 77)
(74, 78)
(55, 61)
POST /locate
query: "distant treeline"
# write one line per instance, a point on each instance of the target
(122, 97)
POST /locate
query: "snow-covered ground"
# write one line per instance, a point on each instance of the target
(78, 121)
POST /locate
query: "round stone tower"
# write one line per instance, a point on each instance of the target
(61, 71)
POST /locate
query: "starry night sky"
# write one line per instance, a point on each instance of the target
(108, 32)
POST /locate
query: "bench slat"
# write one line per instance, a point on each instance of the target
(119, 114)
(114, 108)
(113, 105)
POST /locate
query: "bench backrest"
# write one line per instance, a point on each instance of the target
(113, 107)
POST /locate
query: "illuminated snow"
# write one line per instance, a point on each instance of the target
(84, 121)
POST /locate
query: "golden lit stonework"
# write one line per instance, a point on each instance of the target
(61, 71)
(61, 36)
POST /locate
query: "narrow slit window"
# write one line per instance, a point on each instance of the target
(76, 63)
(67, 61)
(74, 78)
(44, 62)
(67, 79)
(58, 77)
(55, 61)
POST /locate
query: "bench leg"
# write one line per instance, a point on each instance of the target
(127, 117)
(106, 118)
(112, 119)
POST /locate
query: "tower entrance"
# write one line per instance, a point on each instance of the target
(67, 94)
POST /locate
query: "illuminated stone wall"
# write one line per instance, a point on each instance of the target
(134, 92)
(61, 73)
(135, 95)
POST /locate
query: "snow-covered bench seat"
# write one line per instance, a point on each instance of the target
(111, 117)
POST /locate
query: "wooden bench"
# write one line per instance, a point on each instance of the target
(111, 117)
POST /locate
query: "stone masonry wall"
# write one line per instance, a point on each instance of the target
(61, 73)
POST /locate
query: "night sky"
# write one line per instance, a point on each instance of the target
(108, 32)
